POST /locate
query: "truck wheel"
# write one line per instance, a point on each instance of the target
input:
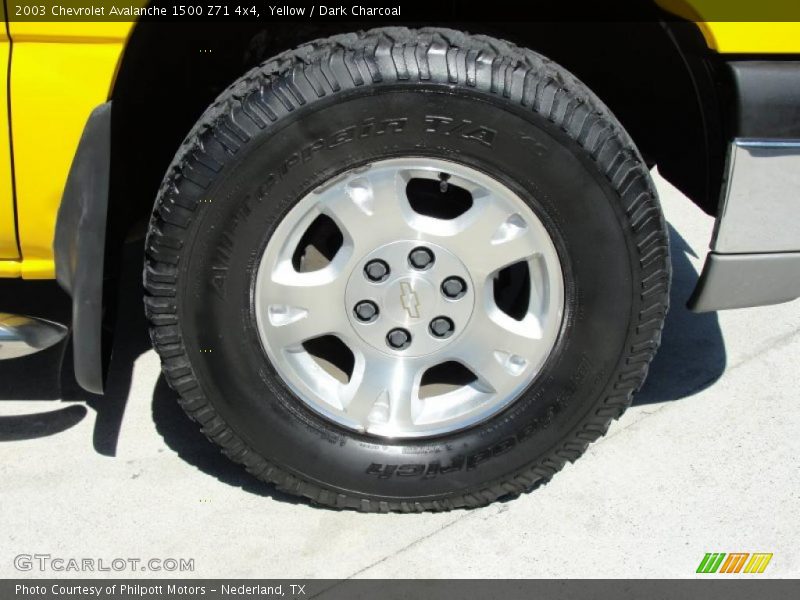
(406, 270)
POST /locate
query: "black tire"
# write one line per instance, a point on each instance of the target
(255, 152)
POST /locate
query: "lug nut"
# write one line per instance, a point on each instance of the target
(442, 327)
(454, 288)
(420, 258)
(376, 270)
(366, 311)
(398, 339)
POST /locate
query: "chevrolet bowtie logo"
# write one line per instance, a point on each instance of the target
(408, 297)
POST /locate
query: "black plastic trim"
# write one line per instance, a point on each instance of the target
(692, 155)
(767, 103)
(80, 247)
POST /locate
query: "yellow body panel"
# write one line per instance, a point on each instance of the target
(10, 268)
(731, 37)
(736, 35)
(59, 73)
(33, 31)
(8, 237)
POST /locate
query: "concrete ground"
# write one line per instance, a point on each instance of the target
(707, 460)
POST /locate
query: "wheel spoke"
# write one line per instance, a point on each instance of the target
(508, 252)
(366, 206)
(499, 349)
(365, 396)
(404, 397)
(383, 393)
(490, 238)
(301, 308)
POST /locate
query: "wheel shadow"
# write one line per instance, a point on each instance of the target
(184, 437)
(692, 354)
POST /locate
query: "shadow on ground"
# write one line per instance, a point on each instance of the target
(49, 375)
(691, 358)
(692, 354)
(185, 439)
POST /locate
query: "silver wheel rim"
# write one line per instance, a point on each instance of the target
(385, 392)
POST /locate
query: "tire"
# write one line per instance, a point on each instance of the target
(297, 121)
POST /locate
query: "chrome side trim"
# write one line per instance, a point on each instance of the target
(755, 249)
(20, 336)
(743, 280)
(760, 208)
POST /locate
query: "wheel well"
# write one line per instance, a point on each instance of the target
(657, 78)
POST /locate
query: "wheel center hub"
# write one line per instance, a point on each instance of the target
(422, 295)
(407, 300)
